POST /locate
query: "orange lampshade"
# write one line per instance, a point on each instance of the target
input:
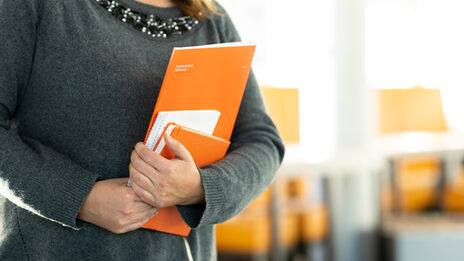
(406, 110)
(283, 107)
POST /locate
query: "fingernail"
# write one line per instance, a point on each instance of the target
(169, 137)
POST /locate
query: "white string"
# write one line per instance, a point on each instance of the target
(187, 249)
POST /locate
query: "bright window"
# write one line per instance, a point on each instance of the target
(418, 42)
(295, 49)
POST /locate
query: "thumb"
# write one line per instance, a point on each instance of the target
(179, 150)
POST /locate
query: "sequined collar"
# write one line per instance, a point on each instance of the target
(149, 24)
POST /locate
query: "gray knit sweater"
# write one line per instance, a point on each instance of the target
(77, 89)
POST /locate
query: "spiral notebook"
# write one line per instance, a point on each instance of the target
(200, 120)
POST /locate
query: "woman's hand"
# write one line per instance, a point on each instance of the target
(114, 206)
(161, 182)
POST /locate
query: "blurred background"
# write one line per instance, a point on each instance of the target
(367, 95)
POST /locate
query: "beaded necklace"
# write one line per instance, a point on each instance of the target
(150, 24)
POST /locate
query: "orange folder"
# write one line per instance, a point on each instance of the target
(210, 77)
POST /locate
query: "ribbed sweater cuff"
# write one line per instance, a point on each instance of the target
(197, 215)
(74, 191)
(214, 196)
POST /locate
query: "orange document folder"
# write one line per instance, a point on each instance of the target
(209, 77)
(205, 149)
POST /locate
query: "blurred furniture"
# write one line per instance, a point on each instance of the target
(297, 228)
(423, 237)
(453, 195)
(417, 183)
(248, 235)
(422, 210)
(308, 199)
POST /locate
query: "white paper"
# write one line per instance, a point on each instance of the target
(200, 120)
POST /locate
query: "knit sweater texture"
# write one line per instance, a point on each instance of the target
(77, 89)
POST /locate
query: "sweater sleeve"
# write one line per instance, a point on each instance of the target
(32, 176)
(254, 156)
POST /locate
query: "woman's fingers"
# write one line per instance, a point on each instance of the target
(141, 165)
(152, 158)
(140, 219)
(143, 174)
(142, 206)
(178, 148)
(115, 207)
(146, 181)
(143, 193)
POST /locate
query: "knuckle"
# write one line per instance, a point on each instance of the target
(139, 146)
(145, 197)
(137, 163)
(145, 154)
(177, 146)
(161, 198)
(126, 212)
(162, 183)
(138, 180)
(135, 178)
(169, 169)
(129, 196)
(120, 222)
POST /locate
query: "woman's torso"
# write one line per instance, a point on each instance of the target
(92, 87)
